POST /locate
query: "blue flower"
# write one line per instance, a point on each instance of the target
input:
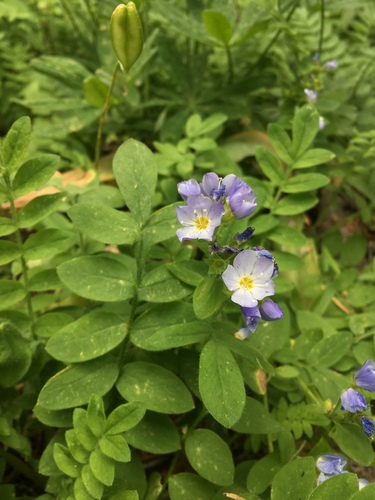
(241, 200)
(265, 253)
(331, 65)
(188, 188)
(365, 376)
(249, 278)
(200, 217)
(270, 311)
(368, 426)
(331, 464)
(353, 401)
(311, 95)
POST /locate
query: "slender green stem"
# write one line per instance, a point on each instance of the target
(230, 64)
(307, 391)
(98, 142)
(25, 272)
(321, 33)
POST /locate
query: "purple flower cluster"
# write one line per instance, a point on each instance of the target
(353, 401)
(208, 201)
(331, 465)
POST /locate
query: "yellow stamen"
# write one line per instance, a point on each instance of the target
(246, 282)
(202, 223)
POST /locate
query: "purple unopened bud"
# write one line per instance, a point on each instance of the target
(241, 200)
(252, 317)
(270, 311)
(246, 235)
(368, 426)
(365, 376)
(353, 401)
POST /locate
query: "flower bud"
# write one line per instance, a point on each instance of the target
(126, 34)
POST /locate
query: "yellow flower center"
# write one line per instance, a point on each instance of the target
(246, 282)
(202, 223)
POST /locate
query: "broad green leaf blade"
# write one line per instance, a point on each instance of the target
(161, 226)
(115, 447)
(105, 224)
(16, 143)
(314, 157)
(281, 142)
(208, 297)
(262, 473)
(34, 174)
(159, 285)
(328, 351)
(167, 326)
(186, 486)
(10, 293)
(102, 467)
(285, 235)
(89, 337)
(367, 493)
(76, 449)
(135, 170)
(270, 165)
(97, 277)
(294, 204)
(210, 456)
(124, 417)
(295, 480)
(6, 226)
(217, 25)
(221, 384)
(353, 442)
(160, 389)
(65, 461)
(256, 419)
(305, 127)
(74, 385)
(340, 487)
(92, 485)
(80, 490)
(38, 208)
(305, 182)
(15, 355)
(48, 242)
(9, 251)
(42, 282)
(155, 433)
(95, 91)
(82, 429)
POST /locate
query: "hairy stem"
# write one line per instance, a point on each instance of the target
(98, 142)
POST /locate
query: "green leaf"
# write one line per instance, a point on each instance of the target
(97, 277)
(340, 487)
(102, 467)
(124, 417)
(262, 473)
(264, 223)
(328, 351)
(353, 442)
(10, 293)
(295, 480)
(186, 486)
(221, 384)
(74, 385)
(95, 91)
(38, 209)
(81, 426)
(366, 493)
(135, 170)
(104, 223)
(190, 272)
(295, 204)
(53, 418)
(160, 389)
(41, 282)
(314, 157)
(256, 419)
(93, 486)
(217, 25)
(89, 337)
(9, 251)
(159, 285)
(285, 235)
(281, 142)
(155, 433)
(80, 491)
(65, 462)
(208, 297)
(115, 447)
(96, 415)
(16, 143)
(6, 226)
(15, 355)
(78, 452)
(48, 242)
(305, 182)
(270, 165)
(210, 456)
(161, 226)
(34, 174)
(305, 127)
